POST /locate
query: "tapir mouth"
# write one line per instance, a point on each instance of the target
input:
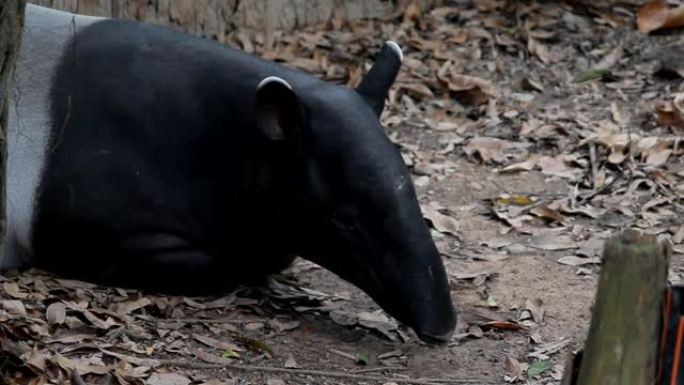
(437, 332)
(435, 339)
(433, 321)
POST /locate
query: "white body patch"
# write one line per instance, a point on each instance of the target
(45, 37)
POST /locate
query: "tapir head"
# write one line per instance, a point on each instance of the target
(354, 205)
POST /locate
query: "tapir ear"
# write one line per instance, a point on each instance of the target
(280, 113)
(375, 86)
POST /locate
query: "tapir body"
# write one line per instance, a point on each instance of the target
(145, 157)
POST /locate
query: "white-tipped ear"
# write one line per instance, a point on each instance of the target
(273, 79)
(395, 47)
(374, 87)
(279, 112)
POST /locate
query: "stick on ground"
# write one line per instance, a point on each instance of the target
(321, 373)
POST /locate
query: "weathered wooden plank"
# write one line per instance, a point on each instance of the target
(621, 347)
(11, 24)
(215, 18)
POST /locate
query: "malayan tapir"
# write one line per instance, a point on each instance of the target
(146, 157)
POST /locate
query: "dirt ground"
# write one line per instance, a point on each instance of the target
(534, 131)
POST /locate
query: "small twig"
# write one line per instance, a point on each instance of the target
(320, 373)
(122, 331)
(379, 369)
(594, 165)
(343, 354)
(630, 151)
(210, 321)
(594, 193)
(502, 187)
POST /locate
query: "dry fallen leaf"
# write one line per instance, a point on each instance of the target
(526, 165)
(536, 308)
(589, 211)
(532, 84)
(344, 318)
(675, 18)
(609, 60)
(212, 358)
(167, 379)
(290, 363)
(535, 337)
(13, 307)
(577, 261)
(474, 275)
(494, 149)
(514, 370)
(515, 200)
(283, 326)
(378, 321)
(552, 241)
(192, 303)
(412, 12)
(539, 50)
(416, 89)
(55, 314)
(217, 344)
(12, 289)
(547, 213)
(149, 362)
(671, 114)
(131, 306)
(618, 114)
(616, 143)
(591, 247)
(678, 236)
(471, 90)
(557, 166)
(657, 14)
(652, 16)
(543, 351)
(442, 223)
(659, 154)
(475, 331)
(92, 318)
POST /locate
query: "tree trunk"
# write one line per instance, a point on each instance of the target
(216, 18)
(11, 25)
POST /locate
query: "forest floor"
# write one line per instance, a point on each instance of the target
(534, 131)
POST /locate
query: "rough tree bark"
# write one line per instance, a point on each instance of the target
(621, 347)
(215, 18)
(11, 24)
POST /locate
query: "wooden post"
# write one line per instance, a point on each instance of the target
(11, 25)
(621, 347)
